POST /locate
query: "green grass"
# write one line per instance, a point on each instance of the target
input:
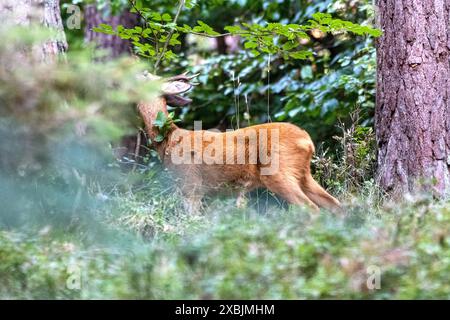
(155, 251)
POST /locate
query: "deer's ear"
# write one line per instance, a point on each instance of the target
(175, 87)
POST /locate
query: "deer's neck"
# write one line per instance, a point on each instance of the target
(149, 112)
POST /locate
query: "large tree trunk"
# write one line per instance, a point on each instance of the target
(412, 117)
(43, 12)
(113, 44)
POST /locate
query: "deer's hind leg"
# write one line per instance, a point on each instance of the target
(318, 194)
(288, 188)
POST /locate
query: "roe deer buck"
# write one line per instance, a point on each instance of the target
(276, 156)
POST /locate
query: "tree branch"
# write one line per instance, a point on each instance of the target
(209, 35)
(169, 36)
(147, 23)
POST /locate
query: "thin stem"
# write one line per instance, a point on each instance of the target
(169, 36)
(137, 149)
(269, 119)
(210, 35)
(133, 5)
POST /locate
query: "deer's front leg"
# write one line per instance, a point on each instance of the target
(241, 201)
(247, 186)
(193, 192)
(193, 204)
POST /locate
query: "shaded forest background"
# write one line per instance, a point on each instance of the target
(329, 94)
(315, 94)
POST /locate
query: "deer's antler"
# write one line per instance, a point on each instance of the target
(184, 77)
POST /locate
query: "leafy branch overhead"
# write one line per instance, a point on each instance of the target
(160, 33)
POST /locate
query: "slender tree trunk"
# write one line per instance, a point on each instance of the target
(221, 45)
(113, 44)
(131, 146)
(44, 12)
(52, 19)
(413, 95)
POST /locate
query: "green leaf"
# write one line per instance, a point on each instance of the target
(160, 120)
(301, 55)
(159, 138)
(169, 55)
(156, 16)
(233, 29)
(166, 17)
(203, 27)
(191, 3)
(105, 29)
(174, 40)
(185, 28)
(105, 26)
(250, 45)
(290, 45)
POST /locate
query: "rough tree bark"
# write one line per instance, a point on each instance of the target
(45, 12)
(113, 44)
(412, 116)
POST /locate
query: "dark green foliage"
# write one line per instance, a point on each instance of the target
(314, 93)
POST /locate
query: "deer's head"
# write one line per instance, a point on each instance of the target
(173, 88)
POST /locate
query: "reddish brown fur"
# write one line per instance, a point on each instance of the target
(293, 181)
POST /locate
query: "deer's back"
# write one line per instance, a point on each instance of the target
(235, 157)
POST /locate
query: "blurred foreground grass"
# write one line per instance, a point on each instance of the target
(238, 254)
